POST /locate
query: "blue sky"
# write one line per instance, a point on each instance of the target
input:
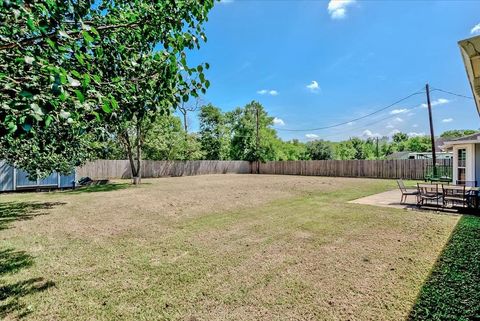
(317, 63)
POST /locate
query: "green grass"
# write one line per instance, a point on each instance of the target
(227, 247)
(452, 291)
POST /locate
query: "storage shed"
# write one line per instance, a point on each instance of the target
(14, 179)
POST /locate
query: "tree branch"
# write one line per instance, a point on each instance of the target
(29, 41)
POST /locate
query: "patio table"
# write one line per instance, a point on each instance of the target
(473, 197)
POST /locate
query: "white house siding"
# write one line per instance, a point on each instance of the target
(477, 163)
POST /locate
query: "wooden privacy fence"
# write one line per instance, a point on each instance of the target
(402, 168)
(103, 169)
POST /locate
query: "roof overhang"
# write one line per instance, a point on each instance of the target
(470, 49)
(449, 144)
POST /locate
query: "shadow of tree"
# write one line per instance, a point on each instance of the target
(452, 291)
(20, 211)
(99, 188)
(12, 261)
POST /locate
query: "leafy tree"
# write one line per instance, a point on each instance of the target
(292, 150)
(319, 150)
(457, 133)
(399, 141)
(243, 124)
(399, 137)
(214, 136)
(385, 148)
(47, 101)
(106, 146)
(188, 107)
(68, 63)
(148, 67)
(358, 146)
(419, 144)
(345, 150)
(193, 148)
(165, 140)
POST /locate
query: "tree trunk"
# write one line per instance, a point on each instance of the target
(185, 125)
(138, 178)
(134, 169)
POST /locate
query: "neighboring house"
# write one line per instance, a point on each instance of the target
(414, 155)
(439, 153)
(470, 49)
(466, 159)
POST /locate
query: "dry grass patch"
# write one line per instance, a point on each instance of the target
(223, 247)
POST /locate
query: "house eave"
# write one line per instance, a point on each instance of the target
(470, 49)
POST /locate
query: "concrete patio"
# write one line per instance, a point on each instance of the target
(387, 199)
(392, 199)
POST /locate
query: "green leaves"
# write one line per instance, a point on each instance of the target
(73, 62)
(106, 106)
(87, 37)
(80, 96)
(26, 94)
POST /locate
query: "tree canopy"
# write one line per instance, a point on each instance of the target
(70, 67)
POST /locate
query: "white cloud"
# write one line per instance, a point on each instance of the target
(398, 119)
(447, 120)
(415, 125)
(389, 126)
(270, 92)
(369, 133)
(313, 87)
(350, 123)
(475, 30)
(311, 136)
(393, 132)
(439, 101)
(278, 122)
(338, 8)
(414, 134)
(398, 111)
(226, 1)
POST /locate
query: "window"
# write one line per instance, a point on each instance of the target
(461, 169)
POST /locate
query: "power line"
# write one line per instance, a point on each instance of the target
(365, 126)
(353, 120)
(451, 93)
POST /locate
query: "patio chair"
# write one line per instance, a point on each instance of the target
(456, 195)
(428, 193)
(405, 192)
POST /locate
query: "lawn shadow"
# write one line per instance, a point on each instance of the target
(99, 188)
(21, 211)
(12, 261)
(452, 291)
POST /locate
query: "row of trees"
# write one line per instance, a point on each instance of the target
(234, 135)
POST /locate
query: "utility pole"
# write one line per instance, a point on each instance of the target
(258, 141)
(432, 135)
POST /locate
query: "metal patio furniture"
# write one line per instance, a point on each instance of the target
(428, 193)
(405, 191)
(456, 195)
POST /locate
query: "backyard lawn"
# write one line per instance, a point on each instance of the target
(220, 247)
